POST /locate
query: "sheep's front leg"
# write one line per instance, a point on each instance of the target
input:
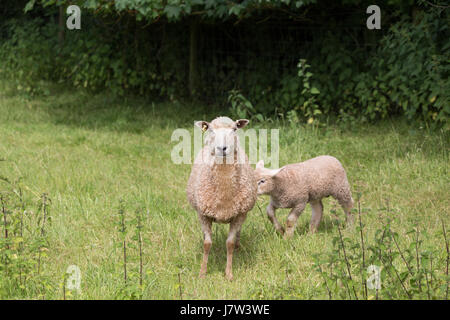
(271, 214)
(292, 220)
(317, 211)
(235, 229)
(207, 243)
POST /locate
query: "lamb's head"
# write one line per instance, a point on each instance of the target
(221, 136)
(266, 178)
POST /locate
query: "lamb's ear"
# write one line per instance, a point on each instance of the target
(202, 125)
(241, 123)
(274, 172)
(260, 164)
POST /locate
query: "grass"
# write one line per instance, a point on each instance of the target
(93, 153)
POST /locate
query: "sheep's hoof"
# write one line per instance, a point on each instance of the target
(229, 276)
(237, 246)
(349, 222)
(202, 275)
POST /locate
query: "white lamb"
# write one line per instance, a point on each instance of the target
(295, 185)
(222, 184)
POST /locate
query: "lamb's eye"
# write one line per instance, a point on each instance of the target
(261, 181)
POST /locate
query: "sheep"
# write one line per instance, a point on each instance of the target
(295, 185)
(222, 185)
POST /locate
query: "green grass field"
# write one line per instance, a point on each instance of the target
(88, 152)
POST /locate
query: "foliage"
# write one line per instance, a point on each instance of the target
(410, 71)
(174, 10)
(84, 61)
(406, 75)
(302, 95)
(24, 244)
(406, 271)
(27, 57)
(141, 47)
(241, 108)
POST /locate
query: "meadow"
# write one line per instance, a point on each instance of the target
(104, 166)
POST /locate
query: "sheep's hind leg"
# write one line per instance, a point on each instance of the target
(316, 217)
(292, 220)
(207, 243)
(271, 214)
(235, 228)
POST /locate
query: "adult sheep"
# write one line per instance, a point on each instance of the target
(222, 186)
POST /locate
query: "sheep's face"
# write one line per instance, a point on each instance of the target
(265, 178)
(221, 136)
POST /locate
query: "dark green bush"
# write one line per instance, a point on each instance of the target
(409, 73)
(104, 57)
(28, 55)
(406, 74)
(362, 75)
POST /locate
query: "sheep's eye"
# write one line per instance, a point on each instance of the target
(261, 181)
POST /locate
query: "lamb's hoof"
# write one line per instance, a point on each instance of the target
(312, 230)
(202, 275)
(229, 276)
(287, 236)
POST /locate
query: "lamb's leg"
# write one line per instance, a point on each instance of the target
(207, 242)
(292, 219)
(271, 214)
(317, 211)
(235, 228)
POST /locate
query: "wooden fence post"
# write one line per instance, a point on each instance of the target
(193, 56)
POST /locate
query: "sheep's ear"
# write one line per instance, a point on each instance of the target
(202, 125)
(260, 164)
(241, 123)
(276, 171)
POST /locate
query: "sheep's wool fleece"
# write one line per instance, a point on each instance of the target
(311, 180)
(222, 122)
(221, 191)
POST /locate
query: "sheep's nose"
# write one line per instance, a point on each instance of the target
(222, 149)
